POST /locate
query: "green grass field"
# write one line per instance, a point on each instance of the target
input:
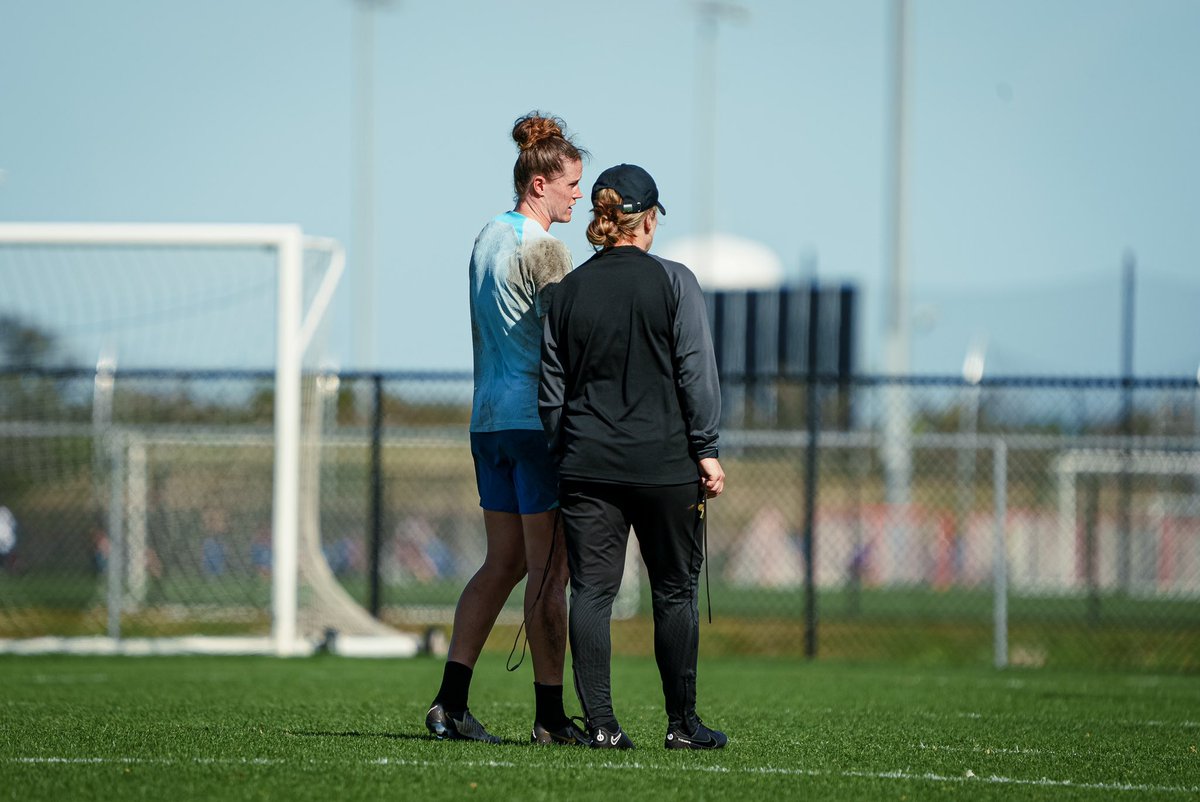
(331, 728)
(915, 625)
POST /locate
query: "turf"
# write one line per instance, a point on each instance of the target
(331, 728)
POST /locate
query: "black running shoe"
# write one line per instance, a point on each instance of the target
(569, 735)
(702, 738)
(446, 727)
(606, 739)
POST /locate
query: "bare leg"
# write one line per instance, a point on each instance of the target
(546, 619)
(486, 592)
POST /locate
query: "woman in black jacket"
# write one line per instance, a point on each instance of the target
(630, 401)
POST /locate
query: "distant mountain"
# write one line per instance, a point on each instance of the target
(1071, 328)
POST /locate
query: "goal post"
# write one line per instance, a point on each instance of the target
(299, 309)
(285, 513)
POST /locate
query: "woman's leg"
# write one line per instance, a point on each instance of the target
(484, 596)
(596, 533)
(667, 525)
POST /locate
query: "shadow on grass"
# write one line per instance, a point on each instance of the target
(395, 736)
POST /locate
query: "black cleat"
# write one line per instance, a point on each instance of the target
(701, 738)
(445, 727)
(569, 735)
(605, 739)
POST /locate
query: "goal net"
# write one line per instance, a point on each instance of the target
(162, 403)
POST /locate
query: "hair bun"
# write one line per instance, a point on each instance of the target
(533, 128)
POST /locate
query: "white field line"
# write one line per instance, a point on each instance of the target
(1186, 724)
(68, 679)
(983, 750)
(655, 767)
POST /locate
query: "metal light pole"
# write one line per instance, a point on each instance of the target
(897, 416)
(968, 452)
(363, 205)
(897, 329)
(711, 13)
(1125, 480)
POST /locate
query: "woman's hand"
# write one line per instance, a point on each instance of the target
(713, 476)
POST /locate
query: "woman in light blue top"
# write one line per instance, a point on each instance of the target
(514, 267)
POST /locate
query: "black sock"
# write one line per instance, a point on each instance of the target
(549, 700)
(456, 683)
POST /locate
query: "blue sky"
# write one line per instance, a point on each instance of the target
(1047, 139)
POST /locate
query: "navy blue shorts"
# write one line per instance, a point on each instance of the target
(514, 472)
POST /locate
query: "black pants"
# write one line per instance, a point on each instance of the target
(597, 517)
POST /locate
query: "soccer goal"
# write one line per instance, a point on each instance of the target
(1162, 546)
(161, 413)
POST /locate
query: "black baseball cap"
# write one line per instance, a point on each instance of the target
(635, 186)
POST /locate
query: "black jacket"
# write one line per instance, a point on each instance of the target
(629, 390)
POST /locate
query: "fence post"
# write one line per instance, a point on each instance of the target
(1091, 518)
(1000, 552)
(376, 483)
(116, 533)
(136, 550)
(813, 411)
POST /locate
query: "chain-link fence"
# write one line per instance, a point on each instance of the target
(140, 503)
(1033, 521)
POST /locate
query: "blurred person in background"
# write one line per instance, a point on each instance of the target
(8, 537)
(515, 266)
(630, 400)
